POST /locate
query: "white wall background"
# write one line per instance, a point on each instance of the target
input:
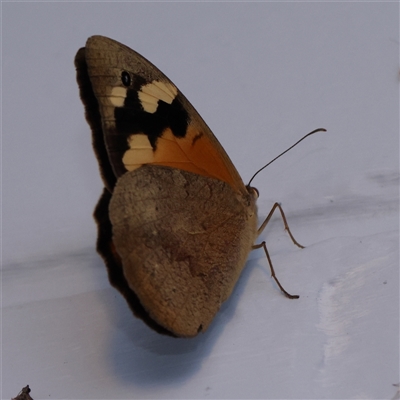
(261, 75)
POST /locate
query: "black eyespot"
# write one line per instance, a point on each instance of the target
(125, 78)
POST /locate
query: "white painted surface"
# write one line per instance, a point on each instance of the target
(261, 75)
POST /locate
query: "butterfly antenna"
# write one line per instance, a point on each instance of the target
(291, 147)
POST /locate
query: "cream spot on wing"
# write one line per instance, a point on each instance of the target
(168, 88)
(117, 96)
(150, 94)
(160, 90)
(149, 103)
(140, 152)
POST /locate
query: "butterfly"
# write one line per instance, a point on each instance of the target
(175, 220)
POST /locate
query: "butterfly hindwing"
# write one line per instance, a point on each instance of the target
(183, 245)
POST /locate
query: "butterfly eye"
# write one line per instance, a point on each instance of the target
(254, 191)
(125, 78)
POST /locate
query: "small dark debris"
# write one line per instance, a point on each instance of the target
(23, 394)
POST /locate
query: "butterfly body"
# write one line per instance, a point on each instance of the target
(175, 221)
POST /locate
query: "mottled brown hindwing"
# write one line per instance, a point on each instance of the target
(183, 240)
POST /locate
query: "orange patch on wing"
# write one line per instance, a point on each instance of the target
(194, 153)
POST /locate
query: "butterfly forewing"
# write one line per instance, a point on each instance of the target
(147, 120)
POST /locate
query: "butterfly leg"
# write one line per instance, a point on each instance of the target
(264, 246)
(264, 224)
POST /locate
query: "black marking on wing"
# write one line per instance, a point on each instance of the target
(131, 118)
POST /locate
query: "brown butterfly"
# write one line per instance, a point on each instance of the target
(175, 220)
